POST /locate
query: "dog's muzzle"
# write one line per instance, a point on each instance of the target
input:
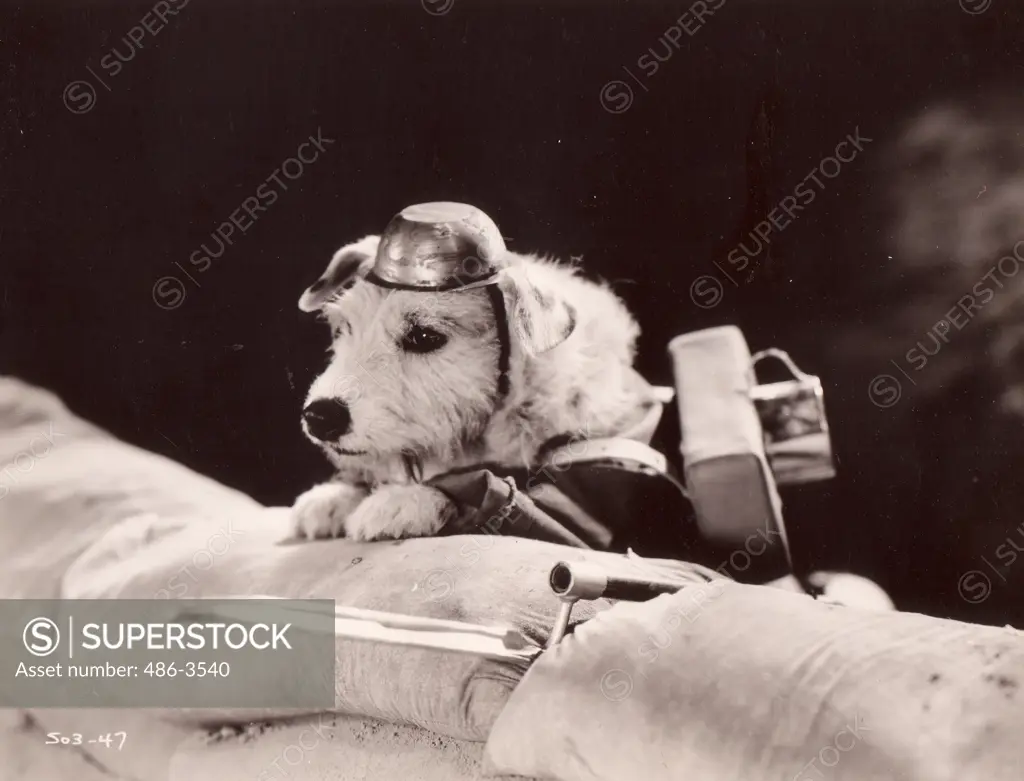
(327, 419)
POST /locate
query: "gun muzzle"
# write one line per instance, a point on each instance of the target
(580, 580)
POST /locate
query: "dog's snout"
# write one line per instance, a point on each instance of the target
(327, 419)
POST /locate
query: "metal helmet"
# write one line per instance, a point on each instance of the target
(439, 246)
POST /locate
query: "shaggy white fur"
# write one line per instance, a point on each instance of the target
(418, 374)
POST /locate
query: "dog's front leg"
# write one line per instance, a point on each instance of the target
(322, 510)
(399, 511)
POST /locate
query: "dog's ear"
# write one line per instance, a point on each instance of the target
(539, 317)
(348, 264)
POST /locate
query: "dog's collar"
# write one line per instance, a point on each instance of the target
(639, 427)
(562, 451)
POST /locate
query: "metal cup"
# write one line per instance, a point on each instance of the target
(796, 433)
(439, 246)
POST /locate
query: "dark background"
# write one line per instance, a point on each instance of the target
(496, 104)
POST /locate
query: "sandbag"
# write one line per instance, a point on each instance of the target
(731, 681)
(96, 518)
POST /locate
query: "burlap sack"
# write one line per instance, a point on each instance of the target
(731, 681)
(91, 517)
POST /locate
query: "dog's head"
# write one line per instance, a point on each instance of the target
(418, 373)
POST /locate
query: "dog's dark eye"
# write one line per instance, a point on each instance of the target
(419, 339)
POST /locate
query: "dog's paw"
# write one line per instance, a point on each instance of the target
(321, 511)
(399, 511)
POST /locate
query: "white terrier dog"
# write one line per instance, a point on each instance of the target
(421, 382)
(416, 385)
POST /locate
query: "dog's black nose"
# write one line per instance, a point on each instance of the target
(327, 419)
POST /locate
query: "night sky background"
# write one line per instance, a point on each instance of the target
(498, 105)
